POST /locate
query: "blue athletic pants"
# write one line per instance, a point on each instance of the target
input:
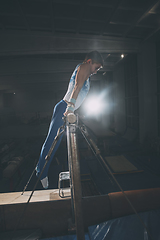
(56, 122)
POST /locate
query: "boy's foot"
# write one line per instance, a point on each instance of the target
(44, 182)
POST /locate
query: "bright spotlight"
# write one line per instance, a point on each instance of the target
(94, 105)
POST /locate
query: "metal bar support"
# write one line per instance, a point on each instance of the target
(74, 168)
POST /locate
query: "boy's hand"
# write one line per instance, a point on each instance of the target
(67, 112)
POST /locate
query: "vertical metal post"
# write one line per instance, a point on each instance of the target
(74, 169)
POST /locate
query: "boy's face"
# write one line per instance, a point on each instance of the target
(94, 67)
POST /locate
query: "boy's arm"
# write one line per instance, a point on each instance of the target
(81, 77)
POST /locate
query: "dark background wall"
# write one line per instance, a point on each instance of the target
(32, 85)
(132, 92)
(158, 84)
(136, 94)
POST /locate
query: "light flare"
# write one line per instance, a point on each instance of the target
(95, 105)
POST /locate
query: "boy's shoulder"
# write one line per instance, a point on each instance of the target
(83, 67)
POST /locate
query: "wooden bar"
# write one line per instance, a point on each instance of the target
(38, 196)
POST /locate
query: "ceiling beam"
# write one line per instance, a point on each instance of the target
(147, 12)
(112, 14)
(33, 65)
(27, 44)
(141, 16)
(81, 13)
(41, 78)
(23, 15)
(52, 16)
(151, 34)
(158, 28)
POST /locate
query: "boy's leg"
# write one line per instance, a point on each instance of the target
(56, 122)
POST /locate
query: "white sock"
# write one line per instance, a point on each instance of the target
(44, 182)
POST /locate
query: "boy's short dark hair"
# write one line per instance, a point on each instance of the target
(95, 56)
